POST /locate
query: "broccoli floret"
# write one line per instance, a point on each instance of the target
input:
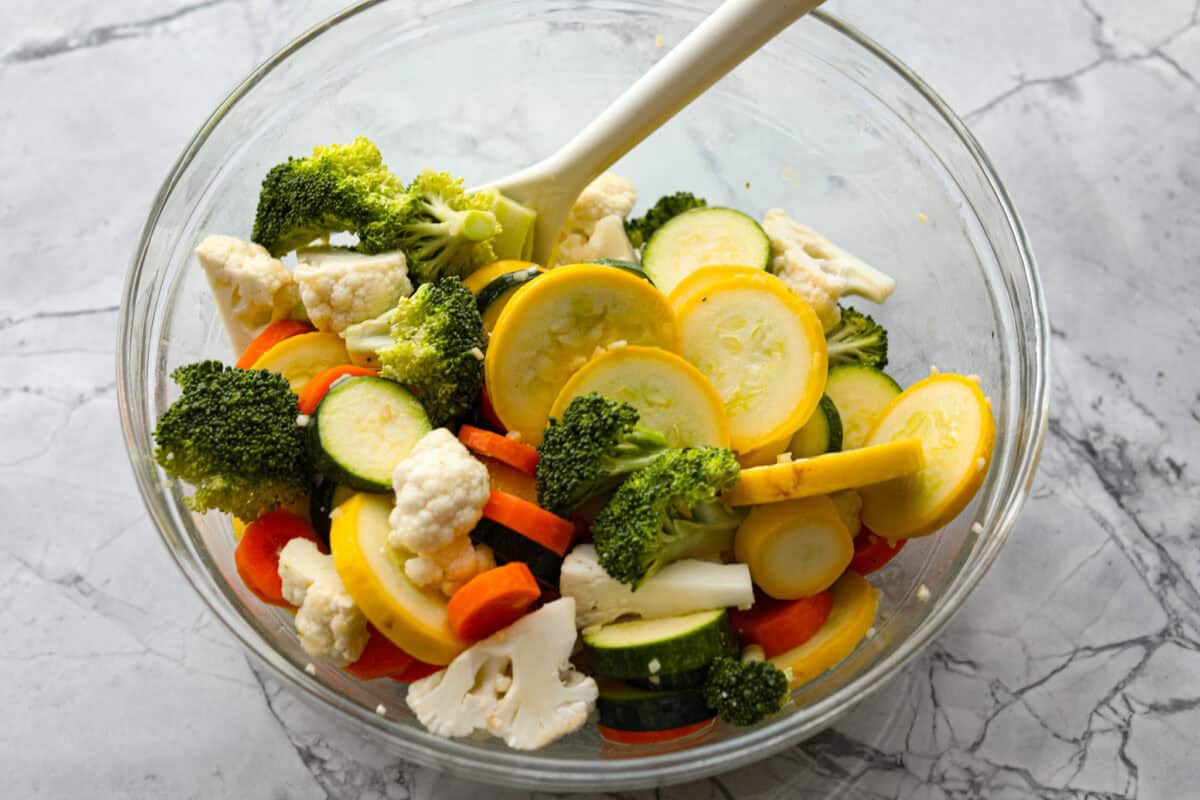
(667, 511)
(434, 346)
(744, 692)
(590, 451)
(640, 229)
(444, 230)
(233, 436)
(340, 187)
(857, 339)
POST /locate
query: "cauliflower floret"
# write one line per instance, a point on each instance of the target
(340, 287)
(440, 493)
(595, 228)
(818, 270)
(517, 684)
(328, 622)
(252, 288)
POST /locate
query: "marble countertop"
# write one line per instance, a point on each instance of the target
(1072, 672)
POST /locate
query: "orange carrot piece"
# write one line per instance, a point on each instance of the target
(257, 554)
(872, 552)
(531, 521)
(651, 737)
(319, 385)
(779, 625)
(380, 659)
(272, 335)
(492, 600)
(485, 443)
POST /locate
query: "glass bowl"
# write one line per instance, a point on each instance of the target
(822, 123)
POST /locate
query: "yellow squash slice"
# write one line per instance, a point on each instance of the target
(952, 418)
(853, 612)
(794, 549)
(763, 349)
(299, 358)
(698, 282)
(373, 572)
(828, 473)
(489, 272)
(555, 324)
(670, 394)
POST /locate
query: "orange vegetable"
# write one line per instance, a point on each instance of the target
(485, 443)
(257, 554)
(872, 552)
(272, 335)
(318, 385)
(492, 600)
(532, 522)
(380, 659)
(418, 670)
(652, 737)
(779, 625)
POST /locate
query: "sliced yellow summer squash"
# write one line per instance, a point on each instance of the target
(699, 281)
(952, 418)
(555, 324)
(763, 349)
(853, 612)
(489, 272)
(768, 454)
(373, 572)
(828, 473)
(299, 358)
(670, 394)
(794, 549)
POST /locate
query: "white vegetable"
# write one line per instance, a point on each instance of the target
(517, 684)
(340, 287)
(251, 288)
(595, 228)
(678, 588)
(818, 270)
(608, 240)
(328, 622)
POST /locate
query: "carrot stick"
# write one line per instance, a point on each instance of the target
(651, 737)
(485, 443)
(872, 552)
(779, 625)
(531, 521)
(380, 659)
(492, 600)
(318, 386)
(257, 554)
(272, 335)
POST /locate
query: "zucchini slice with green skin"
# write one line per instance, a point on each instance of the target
(693, 679)
(704, 237)
(324, 498)
(632, 267)
(860, 394)
(821, 434)
(508, 545)
(363, 428)
(491, 298)
(645, 647)
(624, 707)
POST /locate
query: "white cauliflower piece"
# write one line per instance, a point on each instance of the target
(440, 493)
(328, 622)
(818, 270)
(517, 684)
(340, 287)
(595, 228)
(251, 287)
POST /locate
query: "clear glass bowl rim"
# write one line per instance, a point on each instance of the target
(529, 771)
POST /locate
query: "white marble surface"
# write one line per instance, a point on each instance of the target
(1071, 673)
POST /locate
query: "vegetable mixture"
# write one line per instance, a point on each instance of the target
(642, 484)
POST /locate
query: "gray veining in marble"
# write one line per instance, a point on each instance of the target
(1072, 672)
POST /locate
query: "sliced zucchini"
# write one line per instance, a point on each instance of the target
(704, 237)
(821, 434)
(693, 679)
(489, 272)
(492, 298)
(363, 428)
(624, 707)
(324, 498)
(671, 395)
(859, 394)
(508, 545)
(632, 267)
(645, 647)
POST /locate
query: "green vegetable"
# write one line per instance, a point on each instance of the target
(626, 707)
(704, 237)
(233, 436)
(508, 546)
(745, 692)
(667, 511)
(431, 343)
(857, 339)
(644, 648)
(640, 229)
(821, 434)
(587, 453)
(444, 230)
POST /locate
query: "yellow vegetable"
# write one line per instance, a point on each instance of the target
(763, 349)
(699, 280)
(489, 272)
(766, 455)
(952, 418)
(554, 325)
(853, 612)
(299, 358)
(373, 572)
(794, 549)
(825, 474)
(670, 394)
